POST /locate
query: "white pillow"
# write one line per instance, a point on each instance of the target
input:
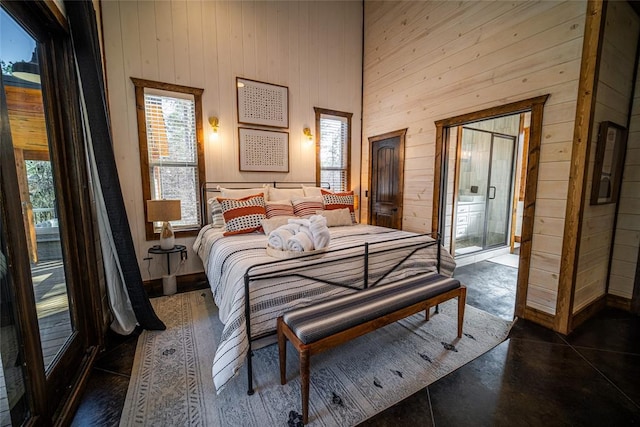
(239, 193)
(307, 206)
(270, 224)
(311, 191)
(337, 217)
(285, 193)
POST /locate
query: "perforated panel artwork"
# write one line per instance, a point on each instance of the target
(263, 150)
(262, 103)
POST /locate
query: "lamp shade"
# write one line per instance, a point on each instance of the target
(163, 210)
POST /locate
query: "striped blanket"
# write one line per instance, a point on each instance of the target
(227, 259)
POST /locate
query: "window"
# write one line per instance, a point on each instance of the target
(171, 150)
(333, 149)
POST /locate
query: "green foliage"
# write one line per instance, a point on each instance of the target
(41, 189)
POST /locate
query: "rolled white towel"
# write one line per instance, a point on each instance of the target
(278, 238)
(302, 221)
(306, 231)
(319, 231)
(293, 228)
(300, 243)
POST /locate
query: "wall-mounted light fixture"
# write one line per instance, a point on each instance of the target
(307, 133)
(213, 121)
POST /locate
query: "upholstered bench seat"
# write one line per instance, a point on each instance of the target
(327, 324)
(321, 320)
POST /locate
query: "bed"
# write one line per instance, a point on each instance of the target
(358, 256)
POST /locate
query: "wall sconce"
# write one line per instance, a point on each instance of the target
(213, 121)
(307, 133)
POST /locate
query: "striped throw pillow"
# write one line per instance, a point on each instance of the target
(306, 206)
(339, 201)
(243, 215)
(279, 208)
(215, 209)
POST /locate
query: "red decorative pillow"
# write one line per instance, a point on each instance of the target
(243, 215)
(339, 201)
(279, 208)
(306, 206)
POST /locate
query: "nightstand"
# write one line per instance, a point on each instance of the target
(169, 281)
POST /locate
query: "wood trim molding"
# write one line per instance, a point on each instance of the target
(140, 85)
(588, 311)
(536, 107)
(539, 317)
(587, 87)
(619, 302)
(319, 112)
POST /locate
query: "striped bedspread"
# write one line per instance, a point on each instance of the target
(227, 259)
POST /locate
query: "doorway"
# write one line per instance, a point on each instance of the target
(386, 179)
(447, 185)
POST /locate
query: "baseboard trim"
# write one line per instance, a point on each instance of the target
(540, 317)
(587, 312)
(616, 301)
(184, 283)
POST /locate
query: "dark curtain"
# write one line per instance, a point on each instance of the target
(84, 34)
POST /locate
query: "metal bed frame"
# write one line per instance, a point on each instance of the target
(295, 271)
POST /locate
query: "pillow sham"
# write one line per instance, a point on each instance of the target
(270, 224)
(337, 217)
(333, 201)
(279, 208)
(238, 193)
(310, 191)
(215, 210)
(306, 206)
(284, 193)
(243, 215)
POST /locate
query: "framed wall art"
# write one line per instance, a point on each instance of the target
(262, 103)
(607, 170)
(263, 150)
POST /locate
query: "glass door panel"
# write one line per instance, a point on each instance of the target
(499, 191)
(38, 198)
(475, 157)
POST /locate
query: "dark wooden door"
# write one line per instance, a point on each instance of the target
(386, 179)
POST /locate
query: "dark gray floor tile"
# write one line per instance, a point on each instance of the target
(524, 382)
(103, 400)
(611, 329)
(415, 410)
(622, 369)
(119, 354)
(490, 287)
(527, 330)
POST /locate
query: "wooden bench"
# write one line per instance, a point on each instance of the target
(330, 323)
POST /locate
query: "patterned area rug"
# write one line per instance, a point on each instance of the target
(171, 380)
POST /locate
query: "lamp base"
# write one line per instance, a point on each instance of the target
(169, 286)
(167, 238)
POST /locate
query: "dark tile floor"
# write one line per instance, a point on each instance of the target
(536, 377)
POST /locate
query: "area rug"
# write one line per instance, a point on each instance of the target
(171, 382)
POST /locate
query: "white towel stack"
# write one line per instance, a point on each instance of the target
(301, 235)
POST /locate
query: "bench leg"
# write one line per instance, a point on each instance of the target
(462, 300)
(304, 377)
(427, 314)
(282, 352)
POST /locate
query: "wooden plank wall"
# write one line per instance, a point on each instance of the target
(426, 61)
(627, 235)
(613, 96)
(314, 48)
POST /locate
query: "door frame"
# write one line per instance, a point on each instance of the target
(81, 253)
(400, 133)
(536, 107)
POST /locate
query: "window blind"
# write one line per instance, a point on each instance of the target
(334, 163)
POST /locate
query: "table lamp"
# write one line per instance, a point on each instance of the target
(164, 211)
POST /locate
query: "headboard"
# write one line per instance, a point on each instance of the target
(212, 189)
